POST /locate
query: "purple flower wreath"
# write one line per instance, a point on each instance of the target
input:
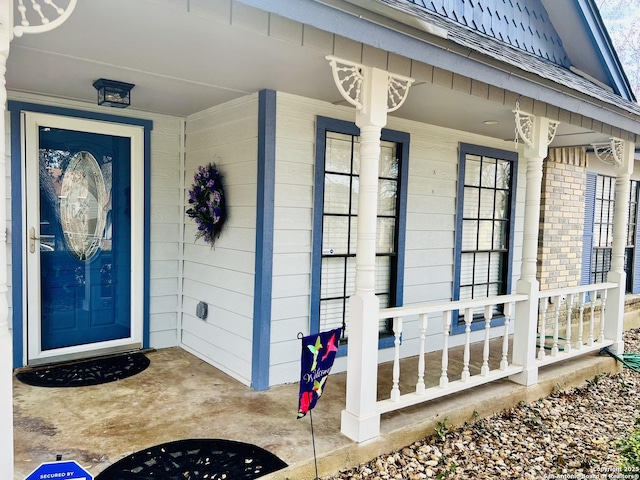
(208, 203)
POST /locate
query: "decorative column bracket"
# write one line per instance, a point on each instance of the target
(524, 127)
(610, 152)
(349, 78)
(45, 23)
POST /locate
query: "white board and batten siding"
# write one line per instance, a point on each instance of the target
(431, 213)
(166, 217)
(223, 276)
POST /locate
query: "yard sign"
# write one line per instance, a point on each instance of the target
(60, 471)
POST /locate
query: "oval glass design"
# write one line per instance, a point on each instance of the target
(82, 205)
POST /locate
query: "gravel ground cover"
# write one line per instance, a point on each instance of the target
(569, 434)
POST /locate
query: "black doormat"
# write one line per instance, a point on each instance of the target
(85, 373)
(195, 459)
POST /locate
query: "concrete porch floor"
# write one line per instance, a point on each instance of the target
(180, 396)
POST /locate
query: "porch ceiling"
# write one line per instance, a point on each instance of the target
(183, 62)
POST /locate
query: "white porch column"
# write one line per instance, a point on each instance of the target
(621, 154)
(374, 93)
(537, 133)
(47, 18)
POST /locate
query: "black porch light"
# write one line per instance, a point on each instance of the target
(113, 93)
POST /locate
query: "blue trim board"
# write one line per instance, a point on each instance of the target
(17, 273)
(146, 287)
(323, 125)
(17, 291)
(463, 150)
(264, 240)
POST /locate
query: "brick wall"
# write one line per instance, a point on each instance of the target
(561, 218)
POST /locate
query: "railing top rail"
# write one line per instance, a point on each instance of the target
(433, 307)
(579, 289)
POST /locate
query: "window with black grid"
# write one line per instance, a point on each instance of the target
(339, 229)
(603, 228)
(484, 224)
(630, 250)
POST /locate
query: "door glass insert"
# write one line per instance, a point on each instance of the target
(83, 205)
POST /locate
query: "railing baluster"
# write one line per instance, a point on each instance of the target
(544, 302)
(397, 332)
(556, 325)
(468, 318)
(603, 306)
(504, 361)
(582, 299)
(446, 324)
(593, 294)
(422, 318)
(488, 313)
(567, 343)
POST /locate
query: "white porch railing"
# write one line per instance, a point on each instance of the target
(446, 386)
(569, 324)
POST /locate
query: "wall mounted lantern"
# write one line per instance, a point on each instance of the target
(113, 93)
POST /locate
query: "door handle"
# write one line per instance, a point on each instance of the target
(32, 240)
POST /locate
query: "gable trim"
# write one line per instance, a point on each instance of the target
(604, 46)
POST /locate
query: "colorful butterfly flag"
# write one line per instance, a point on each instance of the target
(318, 353)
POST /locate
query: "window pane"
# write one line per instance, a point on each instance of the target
(466, 268)
(353, 239)
(356, 156)
(383, 276)
(481, 268)
(466, 293)
(337, 193)
(472, 170)
(499, 235)
(335, 232)
(502, 205)
(355, 190)
(350, 284)
(388, 160)
(495, 269)
(384, 325)
(471, 202)
(387, 197)
(469, 234)
(503, 175)
(386, 233)
(338, 153)
(331, 312)
(485, 235)
(332, 283)
(486, 203)
(488, 172)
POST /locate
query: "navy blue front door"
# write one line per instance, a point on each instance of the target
(84, 238)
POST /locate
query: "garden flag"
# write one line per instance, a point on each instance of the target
(318, 352)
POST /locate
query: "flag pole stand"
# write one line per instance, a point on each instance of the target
(313, 441)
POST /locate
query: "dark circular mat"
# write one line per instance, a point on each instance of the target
(88, 372)
(195, 459)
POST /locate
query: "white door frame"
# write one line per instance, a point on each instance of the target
(31, 122)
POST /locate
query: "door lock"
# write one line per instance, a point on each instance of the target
(32, 240)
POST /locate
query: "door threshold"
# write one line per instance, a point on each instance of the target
(81, 356)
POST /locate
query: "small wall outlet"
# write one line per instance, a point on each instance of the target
(202, 310)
